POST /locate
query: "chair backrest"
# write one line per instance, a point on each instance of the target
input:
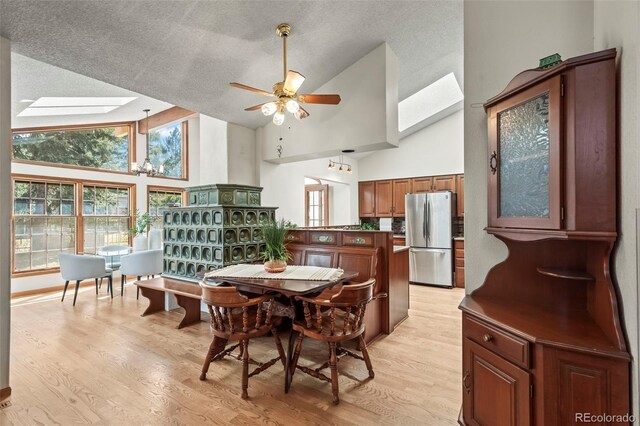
(234, 315)
(75, 267)
(346, 309)
(148, 262)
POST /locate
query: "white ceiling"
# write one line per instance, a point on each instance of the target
(31, 79)
(186, 52)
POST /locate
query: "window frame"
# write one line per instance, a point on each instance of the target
(158, 188)
(132, 144)
(79, 185)
(324, 189)
(185, 148)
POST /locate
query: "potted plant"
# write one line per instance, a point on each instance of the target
(275, 254)
(139, 230)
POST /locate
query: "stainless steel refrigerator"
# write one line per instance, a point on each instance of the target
(428, 220)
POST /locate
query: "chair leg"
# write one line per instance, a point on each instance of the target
(365, 355)
(333, 363)
(100, 285)
(138, 291)
(123, 279)
(296, 354)
(207, 359)
(111, 285)
(283, 357)
(96, 286)
(75, 295)
(245, 369)
(66, 284)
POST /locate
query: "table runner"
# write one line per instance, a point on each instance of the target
(293, 272)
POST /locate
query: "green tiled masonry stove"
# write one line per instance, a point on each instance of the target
(221, 226)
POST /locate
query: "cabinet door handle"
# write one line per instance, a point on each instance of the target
(467, 386)
(487, 338)
(493, 162)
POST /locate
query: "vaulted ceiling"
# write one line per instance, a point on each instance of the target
(186, 52)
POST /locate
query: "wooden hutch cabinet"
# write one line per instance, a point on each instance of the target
(542, 337)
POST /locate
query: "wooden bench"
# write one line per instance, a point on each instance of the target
(188, 296)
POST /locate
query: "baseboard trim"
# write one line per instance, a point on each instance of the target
(72, 285)
(5, 393)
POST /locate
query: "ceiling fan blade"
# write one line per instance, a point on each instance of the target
(320, 99)
(255, 107)
(251, 89)
(293, 82)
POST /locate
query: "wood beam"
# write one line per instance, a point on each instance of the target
(164, 117)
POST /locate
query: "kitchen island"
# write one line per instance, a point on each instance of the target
(371, 254)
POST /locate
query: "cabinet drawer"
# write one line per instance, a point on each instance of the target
(459, 254)
(399, 242)
(458, 244)
(296, 237)
(504, 344)
(459, 262)
(360, 240)
(322, 237)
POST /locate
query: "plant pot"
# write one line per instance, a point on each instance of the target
(140, 243)
(155, 239)
(275, 266)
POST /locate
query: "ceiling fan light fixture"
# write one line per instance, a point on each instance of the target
(269, 108)
(278, 118)
(300, 114)
(292, 106)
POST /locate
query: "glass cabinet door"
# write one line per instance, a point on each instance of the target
(524, 159)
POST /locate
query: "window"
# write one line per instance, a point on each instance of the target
(167, 147)
(106, 217)
(44, 223)
(316, 199)
(94, 147)
(160, 199)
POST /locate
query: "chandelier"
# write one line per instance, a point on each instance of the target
(343, 167)
(146, 167)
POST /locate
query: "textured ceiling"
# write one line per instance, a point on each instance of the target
(31, 79)
(186, 52)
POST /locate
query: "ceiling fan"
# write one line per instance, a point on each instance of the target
(285, 92)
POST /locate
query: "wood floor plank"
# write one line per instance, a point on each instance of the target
(101, 363)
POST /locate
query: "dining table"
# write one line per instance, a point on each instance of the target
(289, 288)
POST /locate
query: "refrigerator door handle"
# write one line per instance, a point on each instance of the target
(424, 222)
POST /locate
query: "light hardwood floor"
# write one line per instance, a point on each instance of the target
(101, 363)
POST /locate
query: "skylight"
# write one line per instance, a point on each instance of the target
(429, 101)
(74, 105)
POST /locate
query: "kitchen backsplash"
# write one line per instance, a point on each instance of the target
(457, 226)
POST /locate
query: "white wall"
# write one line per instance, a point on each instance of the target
(365, 119)
(5, 210)
(435, 150)
(242, 154)
(616, 24)
(212, 151)
(284, 188)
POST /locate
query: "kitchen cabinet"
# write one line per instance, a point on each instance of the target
(422, 184)
(460, 194)
(400, 188)
(399, 241)
(367, 199)
(444, 183)
(548, 315)
(458, 246)
(384, 198)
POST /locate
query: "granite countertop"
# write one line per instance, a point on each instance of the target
(399, 235)
(458, 238)
(397, 249)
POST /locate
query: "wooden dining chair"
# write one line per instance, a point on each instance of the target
(236, 317)
(334, 318)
